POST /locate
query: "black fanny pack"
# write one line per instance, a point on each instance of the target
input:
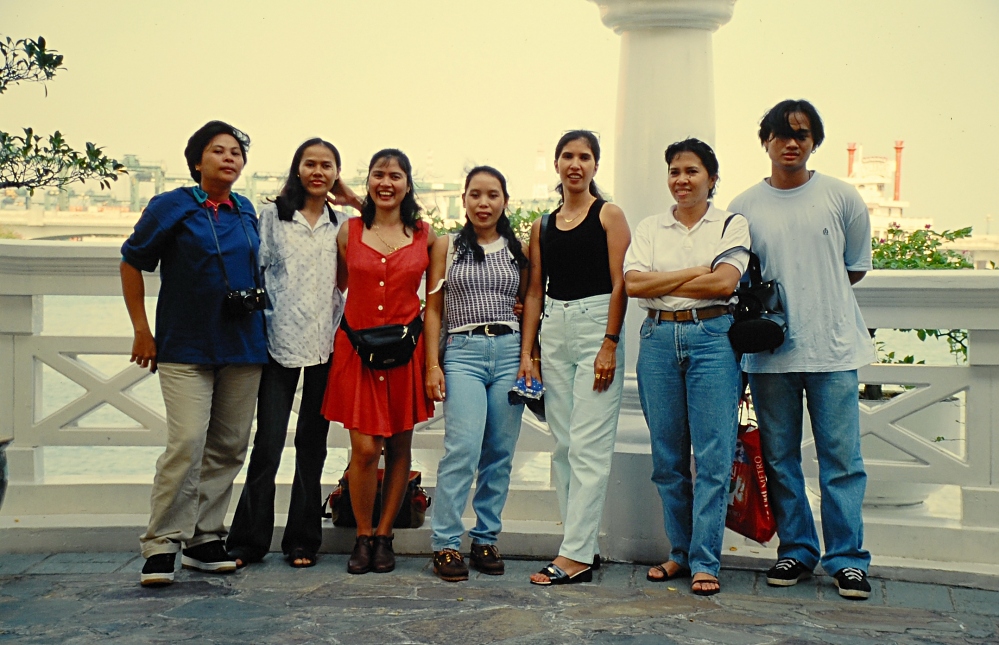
(760, 322)
(387, 346)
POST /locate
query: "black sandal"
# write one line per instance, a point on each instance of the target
(556, 576)
(245, 555)
(682, 572)
(702, 591)
(299, 553)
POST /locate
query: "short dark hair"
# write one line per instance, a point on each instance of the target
(203, 136)
(775, 122)
(409, 209)
(703, 152)
(292, 196)
(591, 140)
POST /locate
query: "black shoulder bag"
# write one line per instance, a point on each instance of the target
(760, 320)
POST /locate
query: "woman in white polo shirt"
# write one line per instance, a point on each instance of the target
(684, 265)
(298, 258)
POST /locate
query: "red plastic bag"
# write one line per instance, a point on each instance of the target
(748, 503)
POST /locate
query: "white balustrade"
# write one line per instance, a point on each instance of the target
(899, 446)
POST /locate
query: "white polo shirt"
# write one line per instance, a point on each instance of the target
(661, 243)
(298, 264)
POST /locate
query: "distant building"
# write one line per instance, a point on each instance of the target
(872, 177)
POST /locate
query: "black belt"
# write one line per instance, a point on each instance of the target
(687, 315)
(490, 330)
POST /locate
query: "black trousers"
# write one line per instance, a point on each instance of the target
(253, 524)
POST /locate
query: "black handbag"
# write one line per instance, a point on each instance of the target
(387, 346)
(760, 323)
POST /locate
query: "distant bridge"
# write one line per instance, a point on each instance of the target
(60, 225)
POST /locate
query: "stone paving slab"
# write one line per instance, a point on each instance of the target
(91, 598)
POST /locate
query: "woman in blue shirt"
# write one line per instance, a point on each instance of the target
(209, 346)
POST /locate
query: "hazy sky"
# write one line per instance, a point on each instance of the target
(463, 82)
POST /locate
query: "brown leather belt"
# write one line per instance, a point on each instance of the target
(687, 315)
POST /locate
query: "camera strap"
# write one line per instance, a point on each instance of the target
(218, 248)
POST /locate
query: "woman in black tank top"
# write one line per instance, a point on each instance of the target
(577, 262)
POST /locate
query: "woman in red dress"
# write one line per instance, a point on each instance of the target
(383, 258)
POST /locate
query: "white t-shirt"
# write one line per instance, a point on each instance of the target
(807, 239)
(298, 263)
(660, 243)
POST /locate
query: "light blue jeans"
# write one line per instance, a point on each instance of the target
(688, 382)
(583, 422)
(835, 414)
(480, 433)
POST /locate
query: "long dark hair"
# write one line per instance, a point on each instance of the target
(203, 136)
(292, 195)
(592, 141)
(409, 210)
(467, 242)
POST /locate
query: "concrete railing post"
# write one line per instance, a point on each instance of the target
(20, 315)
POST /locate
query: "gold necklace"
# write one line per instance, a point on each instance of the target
(570, 221)
(393, 249)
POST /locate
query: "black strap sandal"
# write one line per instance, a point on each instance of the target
(556, 576)
(298, 553)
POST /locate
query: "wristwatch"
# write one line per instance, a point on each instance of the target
(615, 338)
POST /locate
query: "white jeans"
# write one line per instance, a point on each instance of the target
(209, 411)
(583, 422)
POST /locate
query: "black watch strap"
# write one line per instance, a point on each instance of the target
(616, 338)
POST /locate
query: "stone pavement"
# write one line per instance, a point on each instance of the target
(70, 598)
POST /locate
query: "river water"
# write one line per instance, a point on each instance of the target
(107, 316)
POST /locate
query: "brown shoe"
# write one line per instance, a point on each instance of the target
(450, 566)
(487, 559)
(360, 559)
(382, 555)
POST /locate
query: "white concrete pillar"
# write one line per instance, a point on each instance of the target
(665, 94)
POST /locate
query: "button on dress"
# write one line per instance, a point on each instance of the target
(381, 290)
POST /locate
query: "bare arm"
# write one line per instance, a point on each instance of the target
(432, 321)
(532, 309)
(134, 291)
(341, 257)
(856, 276)
(719, 283)
(653, 284)
(618, 238)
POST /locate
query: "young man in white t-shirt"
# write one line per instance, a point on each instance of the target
(813, 235)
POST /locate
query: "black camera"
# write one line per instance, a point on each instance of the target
(245, 301)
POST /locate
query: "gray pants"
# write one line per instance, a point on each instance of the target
(209, 410)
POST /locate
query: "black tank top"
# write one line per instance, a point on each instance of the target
(576, 260)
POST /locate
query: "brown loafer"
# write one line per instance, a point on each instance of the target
(360, 559)
(382, 555)
(487, 559)
(450, 566)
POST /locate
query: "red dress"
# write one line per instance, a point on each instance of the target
(381, 290)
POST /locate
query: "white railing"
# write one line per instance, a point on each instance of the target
(941, 431)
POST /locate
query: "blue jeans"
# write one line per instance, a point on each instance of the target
(583, 422)
(688, 382)
(835, 414)
(481, 429)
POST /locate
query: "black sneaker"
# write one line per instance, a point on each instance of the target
(487, 559)
(209, 557)
(158, 570)
(787, 572)
(450, 566)
(852, 583)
